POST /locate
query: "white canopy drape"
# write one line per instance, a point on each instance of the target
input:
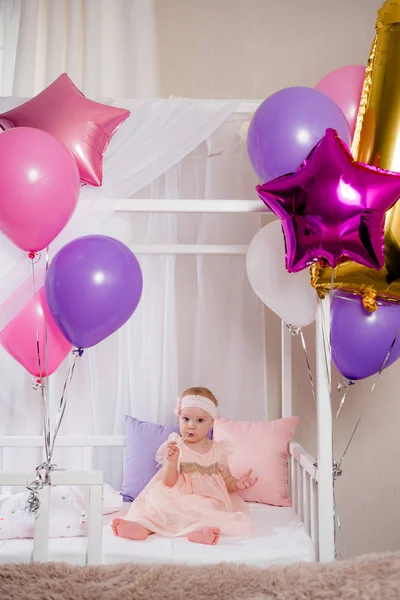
(198, 323)
(108, 47)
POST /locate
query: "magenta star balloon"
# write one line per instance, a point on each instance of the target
(332, 208)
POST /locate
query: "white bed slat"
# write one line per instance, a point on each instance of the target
(304, 489)
(248, 107)
(66, 441)
(189, 249)
(179, 205)
(314, 514)
(87, 458)
(303, 457)
(306, 501)
(293, 494)
(95, 524)
(4, 489)
(58, 477)
(299, 488)
(42, 527)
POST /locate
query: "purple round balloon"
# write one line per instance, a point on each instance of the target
(361, 339)
(287, 125)
(93, 286)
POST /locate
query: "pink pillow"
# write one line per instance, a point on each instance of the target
(264, 447)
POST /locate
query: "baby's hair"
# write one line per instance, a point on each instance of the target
(200, 391)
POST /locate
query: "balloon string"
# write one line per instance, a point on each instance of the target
(338, 532)
(46, 415)
(46, 385)
(344, 385)
(331, 297)
(369, 396)
(306, 357)
(329, 364)
(46, 331)
(40, 480)
(63, 400)
(298, 331)
(33, 502)
(343, 400)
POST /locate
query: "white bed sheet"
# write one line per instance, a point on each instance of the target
(281, 539)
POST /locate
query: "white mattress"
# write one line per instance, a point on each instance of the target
(281, 539)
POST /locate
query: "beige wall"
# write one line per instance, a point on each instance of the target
(249, 49)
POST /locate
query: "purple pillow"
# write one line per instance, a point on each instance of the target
(143, 439)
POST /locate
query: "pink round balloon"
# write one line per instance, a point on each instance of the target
(344, 86)
(39, 187)
(19, 337)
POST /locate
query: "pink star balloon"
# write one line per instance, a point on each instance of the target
(84, 126)
(332, 208)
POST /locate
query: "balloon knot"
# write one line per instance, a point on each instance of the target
(293, 330)
(36, 383)
(31, 255)
(369, 300)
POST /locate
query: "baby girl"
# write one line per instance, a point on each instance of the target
(193, 494)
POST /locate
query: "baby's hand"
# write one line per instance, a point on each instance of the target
(245, 481)
(172, 452)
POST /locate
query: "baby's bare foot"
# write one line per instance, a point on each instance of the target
(206, 535)
(129, 530)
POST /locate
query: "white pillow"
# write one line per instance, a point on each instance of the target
(68, 512)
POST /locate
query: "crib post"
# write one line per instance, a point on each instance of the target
(324, 433)
(95, 524)
(42, 526)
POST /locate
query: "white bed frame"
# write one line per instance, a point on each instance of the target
(311, 480)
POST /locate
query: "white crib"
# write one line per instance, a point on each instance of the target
(303, 486)
(311, 480)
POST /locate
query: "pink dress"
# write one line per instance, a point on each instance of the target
(198, 499)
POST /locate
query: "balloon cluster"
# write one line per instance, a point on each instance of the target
(49, 147)
(338, 209)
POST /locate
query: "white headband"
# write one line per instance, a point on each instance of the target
(193, 401)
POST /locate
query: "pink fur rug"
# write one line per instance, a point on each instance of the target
(375, 577)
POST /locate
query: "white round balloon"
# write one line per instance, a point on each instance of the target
(290, 295)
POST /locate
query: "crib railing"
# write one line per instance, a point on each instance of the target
(86, 477)
(304, 490)
(92, 479)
